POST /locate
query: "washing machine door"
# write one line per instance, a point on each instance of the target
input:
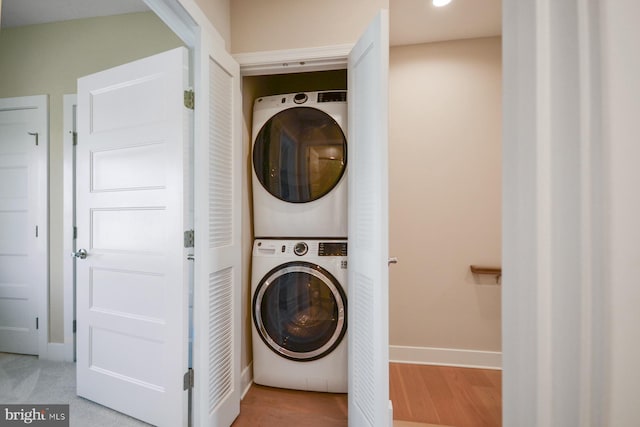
(300, 154)
(300, 311)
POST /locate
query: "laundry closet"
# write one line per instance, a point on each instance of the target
(361, 69)
(296, 321)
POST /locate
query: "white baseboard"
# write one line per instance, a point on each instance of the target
(246, 379)
(59, 352)
(445, 357)
(420, 356)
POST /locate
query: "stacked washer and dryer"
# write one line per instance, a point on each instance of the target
(298, 285)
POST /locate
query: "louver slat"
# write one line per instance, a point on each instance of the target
(363, 374)
(220, 336)
(220, 157)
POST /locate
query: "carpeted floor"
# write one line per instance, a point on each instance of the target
(26, 379)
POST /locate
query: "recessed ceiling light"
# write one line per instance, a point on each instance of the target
(440, 3)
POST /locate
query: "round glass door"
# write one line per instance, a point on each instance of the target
(299, 310)
(300, 154)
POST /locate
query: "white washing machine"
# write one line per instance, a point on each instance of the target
(299, 157)
(299, 311)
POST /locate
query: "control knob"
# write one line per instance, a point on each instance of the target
(300, 248)
(300, 98)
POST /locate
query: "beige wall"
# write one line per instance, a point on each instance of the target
(48, 59)
(258, 25)
(445, 193)
(219, 13)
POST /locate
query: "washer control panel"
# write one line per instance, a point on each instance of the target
(300, 248)
(332, 249)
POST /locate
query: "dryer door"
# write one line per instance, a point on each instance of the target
(300, 310)
(300, 154)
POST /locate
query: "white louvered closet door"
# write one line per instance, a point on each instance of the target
(369, 404)
(218, 167)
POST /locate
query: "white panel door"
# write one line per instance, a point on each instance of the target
(368, 228)
(23, 221)
(217, 303)
(132, 289)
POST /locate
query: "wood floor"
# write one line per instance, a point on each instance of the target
(272, 407)
(459, 397)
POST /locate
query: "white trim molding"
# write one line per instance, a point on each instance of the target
(68, 223)
(620, 294)
(246, 379)
(294, 60)
(445, 357)
(180, 21)
(554, 297)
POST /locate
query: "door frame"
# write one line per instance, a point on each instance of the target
(303, 60)
(68, 222)
(325, 58)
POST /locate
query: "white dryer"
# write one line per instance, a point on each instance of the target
(299, 156)
(299, 311)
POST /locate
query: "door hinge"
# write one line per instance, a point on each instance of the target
(75, 232)
(34, 134)
(37, 323)
(74, 327)
(188, 380)
(189, 99)
(75, 137)
(189, 238)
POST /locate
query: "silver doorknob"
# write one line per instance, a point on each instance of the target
(393, 260)
(81, 254)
